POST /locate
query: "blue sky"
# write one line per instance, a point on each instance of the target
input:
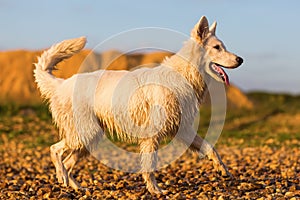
(265, 33)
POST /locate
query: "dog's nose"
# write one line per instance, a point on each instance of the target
(239, 60)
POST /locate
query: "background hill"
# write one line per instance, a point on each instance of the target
(17, 81)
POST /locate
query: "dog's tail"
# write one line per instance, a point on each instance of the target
(47, 83)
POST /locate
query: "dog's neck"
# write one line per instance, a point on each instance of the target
(189, 62)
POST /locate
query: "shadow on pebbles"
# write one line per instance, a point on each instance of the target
(260, 173)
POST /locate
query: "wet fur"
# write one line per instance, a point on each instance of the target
(82, 105)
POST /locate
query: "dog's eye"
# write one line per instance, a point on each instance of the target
(218, 47)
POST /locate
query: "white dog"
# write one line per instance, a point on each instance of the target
(144, 105)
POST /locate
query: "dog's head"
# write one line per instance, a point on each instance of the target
(215, 50)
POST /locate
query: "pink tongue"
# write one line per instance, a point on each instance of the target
(224, 75)
(226, 79)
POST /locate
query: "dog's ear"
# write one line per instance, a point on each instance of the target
(201, 29)
(212, 28)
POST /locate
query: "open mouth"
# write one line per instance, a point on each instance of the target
(217, 69)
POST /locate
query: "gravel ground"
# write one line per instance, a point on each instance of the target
(26, 171)
(261, 173)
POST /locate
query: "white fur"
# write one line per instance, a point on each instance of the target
(145, 105)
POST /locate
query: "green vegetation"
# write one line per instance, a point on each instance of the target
(274, 121)
(30, 125)
(10, 110)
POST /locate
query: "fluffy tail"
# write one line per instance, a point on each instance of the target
(47, 83)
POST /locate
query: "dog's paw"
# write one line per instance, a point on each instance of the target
(75, 185)
(226, 174)
(224, 171)
(157, 191)
(62, 179)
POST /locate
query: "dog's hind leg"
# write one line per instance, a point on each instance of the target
(56, 152)
(202, 146)
(69, 162)
(148, 150)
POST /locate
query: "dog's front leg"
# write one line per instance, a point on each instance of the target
(199, 145)
(148, 149)
(210, 151)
